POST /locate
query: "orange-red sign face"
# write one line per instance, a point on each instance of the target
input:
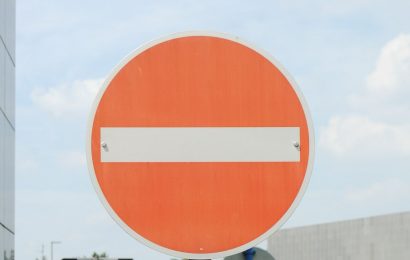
(198, 208)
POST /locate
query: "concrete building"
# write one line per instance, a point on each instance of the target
(7, 127)
(375, 238)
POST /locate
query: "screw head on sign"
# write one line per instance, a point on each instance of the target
(296, 145)
(104, 146)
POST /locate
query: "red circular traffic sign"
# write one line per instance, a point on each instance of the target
(200, 145)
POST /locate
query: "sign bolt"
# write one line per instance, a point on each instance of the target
(104, 146)
(296, 145)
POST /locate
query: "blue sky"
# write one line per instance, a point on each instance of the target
(350, 58)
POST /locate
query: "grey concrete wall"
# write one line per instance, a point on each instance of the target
(375, 238)
(7, 127)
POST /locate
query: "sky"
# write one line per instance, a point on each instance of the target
(350, 58)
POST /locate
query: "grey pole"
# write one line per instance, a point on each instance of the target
(51, 248)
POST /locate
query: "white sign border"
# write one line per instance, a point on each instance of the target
(147, 242)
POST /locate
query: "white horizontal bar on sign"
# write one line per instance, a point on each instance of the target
(199, 144)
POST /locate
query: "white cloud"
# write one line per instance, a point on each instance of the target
(67, 100)
(387, 88)
(383, 192)
(392, 73)
(360, 135)
(381, 121)
(72, 159)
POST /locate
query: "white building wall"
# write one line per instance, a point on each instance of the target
(375, 238)
(7, 127)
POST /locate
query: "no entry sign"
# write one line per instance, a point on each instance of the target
(200, 145)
